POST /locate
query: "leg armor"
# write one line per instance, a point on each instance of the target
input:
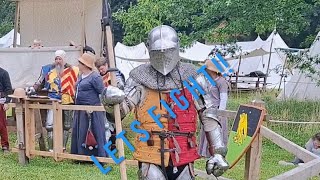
(67, 122)
(216, 165)
(109, 127)
(150, 172)
(110, 130)
(49, 127)
(187, 173)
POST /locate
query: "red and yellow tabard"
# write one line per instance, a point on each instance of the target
(68, 80)
(64, 83)
(181, 146)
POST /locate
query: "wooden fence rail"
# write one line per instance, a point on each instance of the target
(27, 149)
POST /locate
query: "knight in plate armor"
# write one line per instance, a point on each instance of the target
(171, 151)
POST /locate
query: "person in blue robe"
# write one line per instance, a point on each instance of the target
(88, 88)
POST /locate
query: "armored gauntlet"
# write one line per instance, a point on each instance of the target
(112, 95)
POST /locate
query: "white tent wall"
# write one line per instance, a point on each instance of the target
(130, 57)
(136, 53)
(301, 87)
(246, 66)
(56, 22)
(125, 66)
(259, 63)
(7, 40)
(24, 64)
(196, 52)
(275, 69)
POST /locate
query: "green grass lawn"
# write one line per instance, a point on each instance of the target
(47, 168)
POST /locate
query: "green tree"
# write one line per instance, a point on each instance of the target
(117, 25)
(7, 9)
(214, 20)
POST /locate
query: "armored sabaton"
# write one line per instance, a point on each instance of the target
(174, 147)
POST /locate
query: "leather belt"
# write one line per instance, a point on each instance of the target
(165, 134)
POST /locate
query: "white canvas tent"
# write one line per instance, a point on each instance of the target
(256, 58)
(301, 87)
(248, 45)
(129, 57)
(260, 62)
(7, 40)
(197, 52)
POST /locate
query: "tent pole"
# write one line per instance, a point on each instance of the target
(16, 24)
(267, 74)
(284, 64)
(83, 25)
(237, 74)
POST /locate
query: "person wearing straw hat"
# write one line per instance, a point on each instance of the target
(88, 130)
(5, 90)
(59, 80)
(219, 97)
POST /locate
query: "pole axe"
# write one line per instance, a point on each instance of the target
(109, 52)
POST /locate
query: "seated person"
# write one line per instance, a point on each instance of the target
(313, 145)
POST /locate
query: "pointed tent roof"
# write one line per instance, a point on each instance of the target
(250, 45)
(278, 42)
(315, 47)
(258, 39)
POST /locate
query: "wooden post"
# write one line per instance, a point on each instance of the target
(57, 130)
(117, 115)
(16, 24)
(27, 127)
(39, 130)
(20, 133)
(32, 131)
(253, 155)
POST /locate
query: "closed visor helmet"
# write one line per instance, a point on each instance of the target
(163, 45)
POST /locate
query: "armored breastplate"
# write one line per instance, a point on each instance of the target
(178, 134)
